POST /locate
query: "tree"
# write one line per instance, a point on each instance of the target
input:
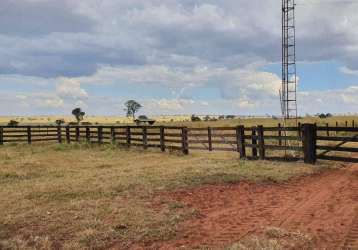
(59, 122)
(207, 118)
(132, 107)
(79, 114)
(323, 115)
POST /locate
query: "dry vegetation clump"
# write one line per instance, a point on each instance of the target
(82, 196)
(275, 239)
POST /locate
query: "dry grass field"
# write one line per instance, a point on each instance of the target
(96, 197)
(182, 120)
(92, 119)
(83, 196)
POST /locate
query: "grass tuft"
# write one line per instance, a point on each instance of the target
(275, 239)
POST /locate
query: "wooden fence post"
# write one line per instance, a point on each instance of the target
(240, 139)
(29, 139)
(59, 134)
(254, 142)
(1, 136)
(353, 124)
(68, 135)
(77, 134)
(128, 136)
(113, 135)
(210, 140)
(299, 130)
(327, 125)
(279, 134)
(346, 124)
(262, 152)
(185, 144)
(309, 143)
(162, 139)
(100, 134)
(88, 135)
(337, 127)
(145, 137)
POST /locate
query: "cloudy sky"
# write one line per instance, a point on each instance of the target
(173, 56)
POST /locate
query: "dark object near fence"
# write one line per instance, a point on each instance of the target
(143, 120)
(13, 123)
(309, 140)
(195, 118)
(86, 123)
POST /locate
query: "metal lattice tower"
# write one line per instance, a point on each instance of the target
(288, 93)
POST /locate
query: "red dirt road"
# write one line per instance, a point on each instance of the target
(324, 206)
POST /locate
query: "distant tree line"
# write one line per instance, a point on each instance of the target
(323, 116)
(195, 118)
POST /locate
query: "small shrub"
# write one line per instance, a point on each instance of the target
(59, 122)
(86, 123)
(322, 115)
(13, 123)
(195, 118)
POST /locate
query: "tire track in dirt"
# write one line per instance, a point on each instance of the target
(328, 212)
(323, 206)
(351, 240)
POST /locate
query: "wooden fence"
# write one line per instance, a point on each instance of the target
(307, 141)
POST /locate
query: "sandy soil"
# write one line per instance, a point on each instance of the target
(324, 206)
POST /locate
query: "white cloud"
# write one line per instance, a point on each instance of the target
(350, 95)
(81, 104)
(348, 71)
(69, 88)
(181, 46)
(231, 83)
(52, 103)
(173, 105)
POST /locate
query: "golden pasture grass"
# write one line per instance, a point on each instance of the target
(117, 120)
(268, 122)
(89, 197)
(181, 120)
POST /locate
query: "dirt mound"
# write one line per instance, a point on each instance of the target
(323, 206)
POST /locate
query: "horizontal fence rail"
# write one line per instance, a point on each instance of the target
(310, 141)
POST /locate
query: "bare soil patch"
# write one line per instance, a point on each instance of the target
(323, 206)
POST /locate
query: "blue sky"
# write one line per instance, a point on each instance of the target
(319, 75)
(174, 56)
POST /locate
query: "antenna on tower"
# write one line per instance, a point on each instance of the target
(288, 93)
